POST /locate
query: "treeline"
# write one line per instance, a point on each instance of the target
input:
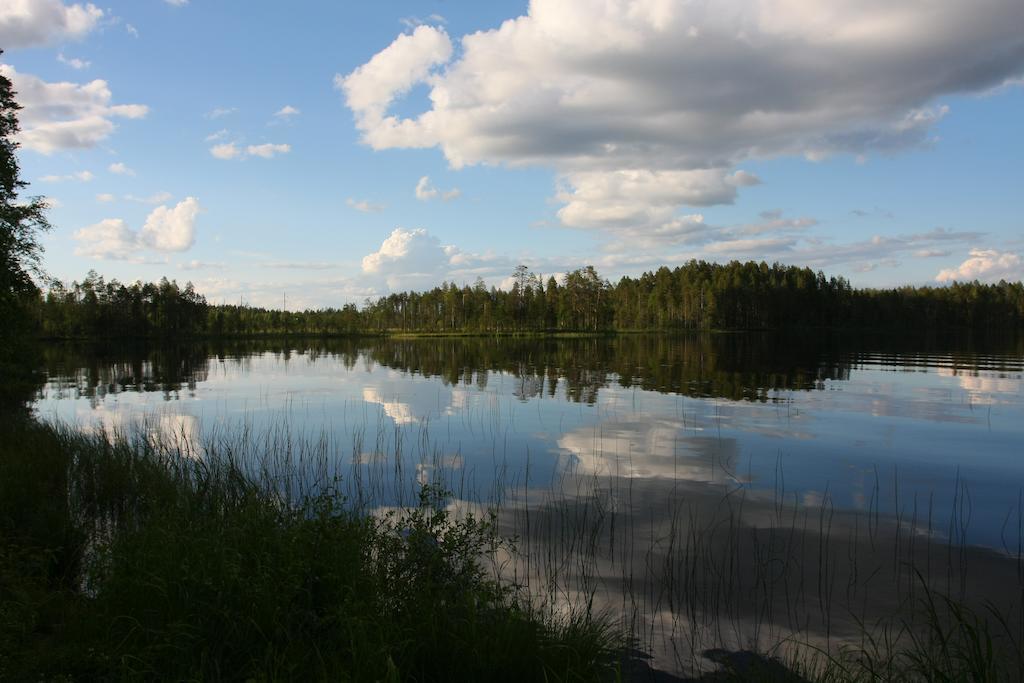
(696, 296)
(103, 308)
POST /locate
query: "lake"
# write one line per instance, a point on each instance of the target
(707, 490)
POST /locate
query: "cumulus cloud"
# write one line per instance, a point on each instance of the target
(230, 150)
(987, 265)
(165, 230)
(415, 259)
(24, 23)
(171, 229)
(672, 97)
(372, 87)
(111, 238)
(63, 115)
(408, 259)
(268, 150)
(73, 62)
(120, 169)
(80, 176)
(227, 150)
(286, 112)
(425, 191)
(105, 197)
(642, 198)
(364, 205)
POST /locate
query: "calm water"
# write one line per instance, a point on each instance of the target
(899, 432)
(830, 415)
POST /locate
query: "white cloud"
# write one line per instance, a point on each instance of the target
(931, 253)
(227, 150)
(364, 205)
(200, 265)
(219, 135)
(111, 238)
(24, 23)
(286, 112)
(987, 265)
(642, 198)
(399, 412)
(408, 259)
(267, 150)
(662, 91)
(120, 169)
(425, 191)
(230, 150)
(79, 176)
(73, 62)
(63, 115)
(171, 229)
(105, 197)
(165, 230)
(752, 246)
(371, 88)
(177, 3)
(773, 237)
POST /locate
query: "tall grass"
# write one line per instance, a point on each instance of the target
(831, 594)
(270, 554)
(129, 558)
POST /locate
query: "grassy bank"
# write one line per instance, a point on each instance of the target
(129, 560)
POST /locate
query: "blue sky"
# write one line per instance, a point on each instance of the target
(278, 151)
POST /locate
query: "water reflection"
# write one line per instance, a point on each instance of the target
(751, 367)
(830, 409)
(830, 460)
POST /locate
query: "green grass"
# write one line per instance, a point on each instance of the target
(128, 561)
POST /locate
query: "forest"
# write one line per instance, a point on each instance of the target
(696, 296)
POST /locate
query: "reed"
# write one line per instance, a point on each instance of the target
(366, 551)
(135, 557)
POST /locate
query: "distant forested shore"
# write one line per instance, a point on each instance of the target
(695, 296)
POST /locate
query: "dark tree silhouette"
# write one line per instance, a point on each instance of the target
(21, 222)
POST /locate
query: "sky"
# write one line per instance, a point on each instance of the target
(319, 153)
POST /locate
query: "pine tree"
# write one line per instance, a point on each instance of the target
(21, 223)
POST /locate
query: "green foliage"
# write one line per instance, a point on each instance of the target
(20, 251)
(130, 560)
(20, 222)
(101, 309)
(696, 296)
